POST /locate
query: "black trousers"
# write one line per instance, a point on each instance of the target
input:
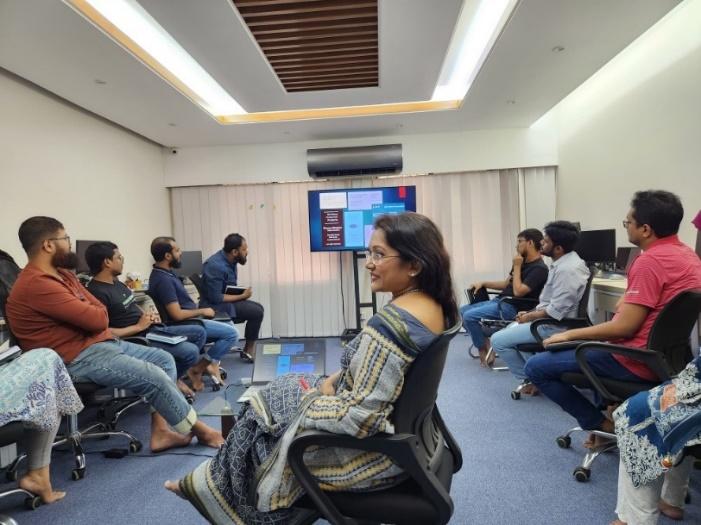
(251, 313)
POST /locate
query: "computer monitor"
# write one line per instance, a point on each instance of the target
(80, 247)
(342, 219)
(625, 257)
(190, 262)
(597, 246)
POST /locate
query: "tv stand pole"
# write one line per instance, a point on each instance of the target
(349, 333)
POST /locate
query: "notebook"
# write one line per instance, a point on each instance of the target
(275, 358)
(234, 290)
(164, 337)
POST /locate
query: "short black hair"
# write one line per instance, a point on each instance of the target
(96, 253)
(233, 241)
(659, 209)
(563, 234)
(160, 246)
(531, 234)
(36, 230)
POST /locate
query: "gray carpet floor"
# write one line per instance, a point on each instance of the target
(513, 471)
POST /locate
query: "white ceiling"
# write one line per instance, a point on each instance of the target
(47, 43)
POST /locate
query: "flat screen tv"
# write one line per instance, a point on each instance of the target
(341, 220)
(597, 246)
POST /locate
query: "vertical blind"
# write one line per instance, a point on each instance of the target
(312, 294)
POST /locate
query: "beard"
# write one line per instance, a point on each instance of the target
(66, 260)
(241, 259)
(176, 263)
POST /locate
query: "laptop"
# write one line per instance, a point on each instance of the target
(279, 357)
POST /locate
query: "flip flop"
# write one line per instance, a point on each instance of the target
(245, 356)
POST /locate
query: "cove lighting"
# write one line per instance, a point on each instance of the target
(126, 22)
(472, 41)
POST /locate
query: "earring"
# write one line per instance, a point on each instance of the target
(412, 275)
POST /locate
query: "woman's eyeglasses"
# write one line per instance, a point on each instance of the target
(377, 257)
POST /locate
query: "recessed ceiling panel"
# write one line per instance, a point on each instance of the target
(315, 45)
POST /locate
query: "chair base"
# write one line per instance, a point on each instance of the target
(31, 500)
(582, 472)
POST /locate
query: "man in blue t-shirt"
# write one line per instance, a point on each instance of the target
(220, 271)
(166, 288)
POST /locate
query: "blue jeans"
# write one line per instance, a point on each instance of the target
(545, 369)
(504, 344)
(224, 335)
(187, 353)
(472, 313)
(148, 372)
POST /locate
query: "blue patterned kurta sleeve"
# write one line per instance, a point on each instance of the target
(36, 389)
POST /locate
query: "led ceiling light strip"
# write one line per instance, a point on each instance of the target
(127, 23)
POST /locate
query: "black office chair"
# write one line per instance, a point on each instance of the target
(196, 280)
(422, 446)
(9, 434)
(580, 321)
(668, 352)
(167, 320)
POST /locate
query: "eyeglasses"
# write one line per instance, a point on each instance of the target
(626, 223)
(377, 257)
(66, 238)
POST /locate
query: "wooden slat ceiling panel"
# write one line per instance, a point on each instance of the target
(316, 45)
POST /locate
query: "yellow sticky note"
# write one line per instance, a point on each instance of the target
(272, 349)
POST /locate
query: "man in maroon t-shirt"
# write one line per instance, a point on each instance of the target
(664, 269)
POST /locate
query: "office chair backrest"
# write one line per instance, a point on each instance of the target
(162, 312)
(583, 307)
(197, 281)
(421, 386)
(8, 275)
(670, 332)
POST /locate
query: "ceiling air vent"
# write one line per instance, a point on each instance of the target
(350, 162)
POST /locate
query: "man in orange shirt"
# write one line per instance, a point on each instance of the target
(48, 307)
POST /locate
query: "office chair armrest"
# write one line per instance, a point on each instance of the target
(649, 357)
(567, 322)
(137, 340)
(403, 449)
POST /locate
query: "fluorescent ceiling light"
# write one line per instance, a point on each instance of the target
(150, 42)
(472, 41)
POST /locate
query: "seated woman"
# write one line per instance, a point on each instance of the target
(406, 258)
(36, 389)
(653, 428)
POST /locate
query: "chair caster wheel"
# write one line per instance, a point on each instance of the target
(216, 387)
(564, 442)
(515, 395)
(189, 399)
(223, 373)
(135, 446)
(582, 474)
(32, 503)
(11, 475)
(77, 473)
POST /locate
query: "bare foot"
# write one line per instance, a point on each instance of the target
(174, 487)
(37, 482)
(184, 388)
(484, 361)
(594, 441)
(618, 522)
(672, 512)
(166, 439)
(213, 370)
(196, 380)
(530, 390)
(207, 436)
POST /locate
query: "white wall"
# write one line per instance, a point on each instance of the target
(100, 181)
(432, 153)
(634, 125)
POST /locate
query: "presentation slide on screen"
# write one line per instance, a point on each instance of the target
(342, 219)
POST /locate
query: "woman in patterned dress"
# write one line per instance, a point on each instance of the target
(36, 389)
(652, 430)
(249, 480)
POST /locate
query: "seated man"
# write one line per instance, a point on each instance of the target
(166, 288)
(560, 297)
(48, 307)
(127, 319)
(666, 268)
(526, 280)
(218, 272)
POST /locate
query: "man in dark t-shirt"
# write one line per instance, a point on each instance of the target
(127, 319)
(525, 281)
